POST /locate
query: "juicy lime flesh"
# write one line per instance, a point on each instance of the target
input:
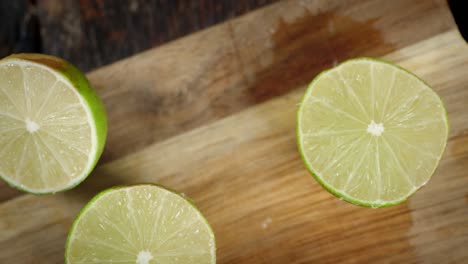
(371, 132)
(44, 128)
(141, 224)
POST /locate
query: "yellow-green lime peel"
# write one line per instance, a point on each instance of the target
(371, 132)
(52, 124)
(142, 224)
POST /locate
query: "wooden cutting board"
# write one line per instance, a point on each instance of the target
(212, 115)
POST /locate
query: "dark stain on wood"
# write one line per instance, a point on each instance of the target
(312, 44)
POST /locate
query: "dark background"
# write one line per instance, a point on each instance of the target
(92, 33)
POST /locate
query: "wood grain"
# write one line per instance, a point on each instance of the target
(213, 115)
(217, 72)
(245, 174)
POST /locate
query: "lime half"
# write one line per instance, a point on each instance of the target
(52, 124)
(371, 132)
(140, 224)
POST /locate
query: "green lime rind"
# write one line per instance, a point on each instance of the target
(100, 194)
(330, 189)
(90, 99)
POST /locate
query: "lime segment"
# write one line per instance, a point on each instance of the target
(140, 224)
(371, 132)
